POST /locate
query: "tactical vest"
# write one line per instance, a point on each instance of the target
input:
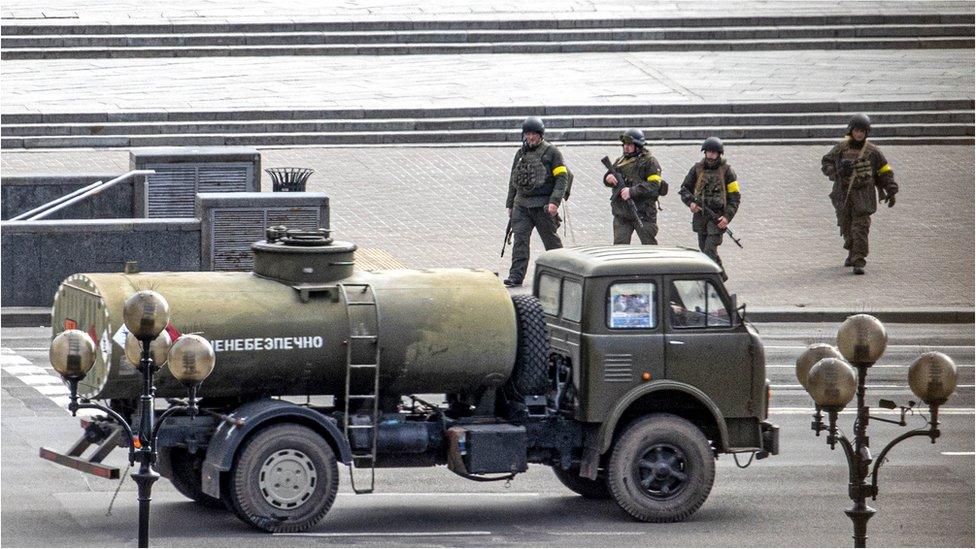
(710, 186)
(861, 158)
(530, 174)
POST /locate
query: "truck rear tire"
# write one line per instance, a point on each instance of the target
(662, 469)
(184, 472)
(531, 373)
(589, 489)
(285, 480)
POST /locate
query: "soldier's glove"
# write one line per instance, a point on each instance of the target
(846, 168)
(891, 201)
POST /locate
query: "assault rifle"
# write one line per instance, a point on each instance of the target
(508, 236)
(714, 217)
(621, 186)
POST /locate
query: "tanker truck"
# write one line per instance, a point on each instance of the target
(628, 371)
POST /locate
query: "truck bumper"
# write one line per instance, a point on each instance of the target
(770, 440)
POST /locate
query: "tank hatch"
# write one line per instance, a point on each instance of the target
(296, 256)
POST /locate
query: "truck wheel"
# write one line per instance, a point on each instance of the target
(589, 489)
(285, 479)
(661, 469)
(183, 469)
(531, 373)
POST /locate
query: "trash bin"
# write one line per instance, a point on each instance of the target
(289, 180)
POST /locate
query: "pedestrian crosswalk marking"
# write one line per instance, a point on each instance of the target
(43, 380)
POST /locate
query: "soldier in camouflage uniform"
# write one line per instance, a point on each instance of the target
(713, 184)
(857, 167)
(642, 184)
(535, 189)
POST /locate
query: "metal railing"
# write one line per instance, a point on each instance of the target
(74, 197)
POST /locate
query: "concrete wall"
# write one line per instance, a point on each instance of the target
(36, 256)
(19, 194)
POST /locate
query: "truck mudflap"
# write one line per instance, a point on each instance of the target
(770, 440)
(104, 435)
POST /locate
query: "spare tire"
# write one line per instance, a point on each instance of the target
(530, 376)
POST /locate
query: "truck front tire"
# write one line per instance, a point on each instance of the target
(285, 480)
(589, 489)
(662, 469)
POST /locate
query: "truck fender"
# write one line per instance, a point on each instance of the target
(228, 437)
(608, 427)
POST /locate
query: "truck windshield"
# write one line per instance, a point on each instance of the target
(632, 305)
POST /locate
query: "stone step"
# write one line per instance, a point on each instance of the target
(595, 46)
(612, 122)
(514, 111)
(12, 28)
(925, 132)
(628, 34)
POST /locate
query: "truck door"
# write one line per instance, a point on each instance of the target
(627, 341)
(703, 348)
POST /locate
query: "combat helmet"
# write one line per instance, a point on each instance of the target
(533, 124)
(635, 136)
(713, 144)
(859, 121)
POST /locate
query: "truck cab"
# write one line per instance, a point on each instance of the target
(648, 329)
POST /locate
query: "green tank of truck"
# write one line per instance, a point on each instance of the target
(628, 371)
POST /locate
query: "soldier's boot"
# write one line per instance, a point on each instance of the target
(859, 266)
(512, 283)
(849, 262)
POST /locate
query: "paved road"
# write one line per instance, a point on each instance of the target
(795, 499)
(438, 207)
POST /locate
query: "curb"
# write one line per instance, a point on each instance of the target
(32, 317)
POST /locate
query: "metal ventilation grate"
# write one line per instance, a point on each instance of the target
(235, 229)
(174, 187)
(618, 368)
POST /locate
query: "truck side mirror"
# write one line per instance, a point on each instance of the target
(738, 316)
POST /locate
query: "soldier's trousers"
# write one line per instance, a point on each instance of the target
(523, 221)
(708, 244)
(623, 230)
(855, 229)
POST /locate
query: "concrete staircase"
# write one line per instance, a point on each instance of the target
(57, 41)
(916, 122)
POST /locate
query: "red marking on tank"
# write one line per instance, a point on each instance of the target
(174, 334)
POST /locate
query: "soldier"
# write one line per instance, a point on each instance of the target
(711, 192)
(856, 167)
(535, 190)
(642, 184)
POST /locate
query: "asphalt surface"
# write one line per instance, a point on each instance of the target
(795, 499)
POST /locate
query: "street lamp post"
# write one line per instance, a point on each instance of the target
(190, 358)
(832, 383)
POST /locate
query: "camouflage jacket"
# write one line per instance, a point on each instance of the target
(642, 174)
(872, 174)
(538, 177)
(717, 188)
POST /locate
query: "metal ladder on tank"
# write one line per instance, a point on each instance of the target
(363, 319)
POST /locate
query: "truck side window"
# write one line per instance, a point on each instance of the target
(697, 304)
(632, 305)
(572, 300)
(549, 294)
